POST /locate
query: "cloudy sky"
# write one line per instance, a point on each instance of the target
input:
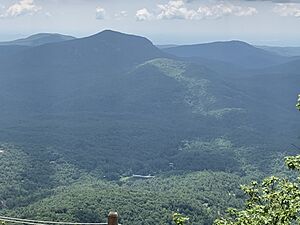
(270, 22)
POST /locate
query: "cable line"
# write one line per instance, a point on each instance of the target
(17, 221)
(41, 222)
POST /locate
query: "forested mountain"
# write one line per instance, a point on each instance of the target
(235, 52)
(38, 39)
(91, 112)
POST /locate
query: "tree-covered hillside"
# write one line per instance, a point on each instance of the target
(200, 195)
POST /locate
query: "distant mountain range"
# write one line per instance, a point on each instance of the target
(284, 51)
(234, 52)
(166, 46)
(39, 39)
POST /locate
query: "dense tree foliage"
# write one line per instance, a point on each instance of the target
(179, 219)
(274, 201)
(199, 196)
(298, 102)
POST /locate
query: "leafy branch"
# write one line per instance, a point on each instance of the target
(275, 201)
(298, 102)
(179, 219)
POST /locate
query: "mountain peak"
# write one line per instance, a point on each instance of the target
(116, 36)
(108, 31)
(105, 50)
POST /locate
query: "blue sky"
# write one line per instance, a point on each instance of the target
(267, 22)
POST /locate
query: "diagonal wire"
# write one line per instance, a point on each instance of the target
(17, 221)
(41, 222)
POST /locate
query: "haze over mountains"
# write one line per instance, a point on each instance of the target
(235, 52)
(118, 74)
(284, 51)
(112, 105)
(39, 39)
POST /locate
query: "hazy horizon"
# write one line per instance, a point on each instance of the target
(157, 44)
(269, 22)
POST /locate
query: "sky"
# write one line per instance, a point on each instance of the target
(260, 22)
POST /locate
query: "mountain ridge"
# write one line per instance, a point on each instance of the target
(236, 52)
(39, 39)
(284, 51)
(102, 50)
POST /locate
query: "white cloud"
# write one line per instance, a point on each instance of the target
(21, 8)
(287, 9)
(121, 14)
(143, 14)
(223, 9)
(177, 9)
(100, 13)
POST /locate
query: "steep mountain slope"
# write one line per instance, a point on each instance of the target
(146, 113)
(39, 39)
(235, 52)
(49, 74)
